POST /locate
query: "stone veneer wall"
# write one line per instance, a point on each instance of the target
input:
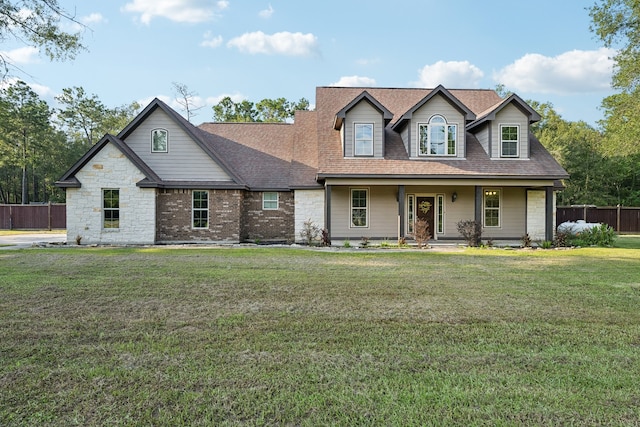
(174, 216)
(268, 225)
(110, 169)
(309, 206)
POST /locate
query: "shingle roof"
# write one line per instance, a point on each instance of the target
(396, 163)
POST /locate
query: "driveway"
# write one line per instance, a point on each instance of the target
(27, 240)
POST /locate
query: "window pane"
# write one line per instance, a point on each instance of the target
(363, 139)
(359, 208)
(359, 217)
(492, 208)
(111, 208)
(200, 209)
(424, 139)
(270, 200)
(451, 140)
(437, 139)
(159, 140)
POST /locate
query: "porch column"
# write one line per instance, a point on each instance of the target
(327, 209)
(401, 210)
(478, 205)
(549, 226)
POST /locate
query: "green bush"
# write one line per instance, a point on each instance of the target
(471, 232)
(601, 235)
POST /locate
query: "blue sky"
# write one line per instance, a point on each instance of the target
(253, 50)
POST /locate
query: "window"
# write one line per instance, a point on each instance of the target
(200, 209)
(363, 139)
(440, 228)
(509, 135)
(437, 138)
(359, 207)
(270, 200)
(492, 208)
(411, 212)
(110, 208)
(159, 141)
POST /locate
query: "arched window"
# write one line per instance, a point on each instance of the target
(437, 138)
(159, 141)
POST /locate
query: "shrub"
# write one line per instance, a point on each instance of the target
(309, 232)
(601, 235)
(470, 231)
(421, 232)
(326, 241)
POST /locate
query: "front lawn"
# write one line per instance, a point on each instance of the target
(268, 336)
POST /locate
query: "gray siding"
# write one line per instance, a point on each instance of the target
(510, 115)
(383, 213)
(184, 160)
(483, 136)
(364, 112)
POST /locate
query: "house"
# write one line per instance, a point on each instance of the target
(368, 162)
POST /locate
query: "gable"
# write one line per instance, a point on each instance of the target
(437, 105)
(363, 113)
(184, 159)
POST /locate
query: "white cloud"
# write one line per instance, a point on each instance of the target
(176, 10)
(266, 13)
(354, 81)
(576, 71)
(210, 40)
(41, 90)
(93, 18)
(451, 74)
(283, 43)
(21, 55)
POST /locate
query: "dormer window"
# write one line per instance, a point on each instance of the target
(159, 141)
(437, 138)
(509, 140)
(363, 139)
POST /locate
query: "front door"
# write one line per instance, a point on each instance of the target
(425, 208)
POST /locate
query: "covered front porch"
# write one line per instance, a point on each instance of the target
(388, 210)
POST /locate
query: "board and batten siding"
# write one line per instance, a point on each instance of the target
(437, 105)
(510, 115)
(364, 112)
(184, 161)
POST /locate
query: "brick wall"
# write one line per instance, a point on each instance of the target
(268, 225)
(174, 216)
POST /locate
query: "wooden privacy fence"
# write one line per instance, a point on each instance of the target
(37, 217)
(621, 219)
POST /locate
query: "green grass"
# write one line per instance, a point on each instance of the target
(264, 336)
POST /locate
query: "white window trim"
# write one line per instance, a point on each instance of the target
(104, 210)
(351, 207)
(484, 207)
(194, 209)
(502, 141)
(428, 124)
(439, 209)
(265, 201)
(166, 150)
(355, 125)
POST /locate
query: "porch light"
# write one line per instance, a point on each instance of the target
(454, 197)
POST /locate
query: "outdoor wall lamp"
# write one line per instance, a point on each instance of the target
(454, 196)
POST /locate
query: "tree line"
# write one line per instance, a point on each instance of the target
(39, 143)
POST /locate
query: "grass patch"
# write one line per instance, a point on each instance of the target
(152, 336)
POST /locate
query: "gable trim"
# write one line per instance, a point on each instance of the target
(194, 133)
(69, 179)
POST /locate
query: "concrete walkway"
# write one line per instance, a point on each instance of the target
(27, 240)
